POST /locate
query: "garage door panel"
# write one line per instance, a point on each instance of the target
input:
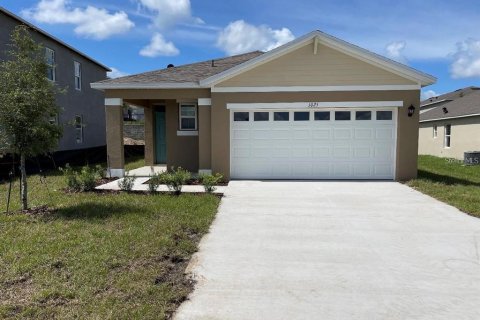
(313, 149)
(241, 134)
(342, 133)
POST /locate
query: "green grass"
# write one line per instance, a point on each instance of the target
(449, 181)
(98, 256)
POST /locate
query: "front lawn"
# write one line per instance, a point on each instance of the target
(449, 181)
(98, 256)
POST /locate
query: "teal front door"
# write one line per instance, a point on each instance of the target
(160, 138)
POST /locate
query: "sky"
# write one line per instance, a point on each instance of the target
(440, 38)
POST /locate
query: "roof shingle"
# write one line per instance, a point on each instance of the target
(459, 103)
(193, 72)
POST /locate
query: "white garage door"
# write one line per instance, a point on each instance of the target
(304, 144)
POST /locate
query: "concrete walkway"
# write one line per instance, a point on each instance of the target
(335, 250)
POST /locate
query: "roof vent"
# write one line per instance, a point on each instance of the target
(170, 66)
(213, 63)
(445, 110)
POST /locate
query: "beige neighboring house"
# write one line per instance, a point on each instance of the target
(315, 108)
(450, 124)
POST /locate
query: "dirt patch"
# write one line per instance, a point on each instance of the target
(16, 294)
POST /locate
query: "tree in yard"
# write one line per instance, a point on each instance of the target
(27, 103)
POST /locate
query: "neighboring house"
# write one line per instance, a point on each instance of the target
(450, 124)
(82, 117)
(315, 108)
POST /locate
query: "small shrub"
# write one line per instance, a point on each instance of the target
(126, 184)
(210, 181)
(175, 179)
(71, 178)
(88, 177)
(85, 180)
(154, 182)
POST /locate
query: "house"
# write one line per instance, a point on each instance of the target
(450, 124)
(82, 117)
(315, 108)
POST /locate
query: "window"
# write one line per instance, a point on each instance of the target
(240, 116)
(79, 129)
(448, 132)
(188, 117)
(322, 115)
(260, 116)
(78, 75)
(53, 119)
(281, 116)
(50, 60)
(301, 116)
(384, 115)
(342, 115)
(435, 131)
(363, 115)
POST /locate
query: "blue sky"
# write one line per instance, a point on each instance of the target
(437, 37)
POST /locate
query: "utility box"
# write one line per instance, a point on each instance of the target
(471, 158)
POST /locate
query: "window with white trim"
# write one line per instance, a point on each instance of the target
(448, 133)
(78, 75)
(50, 61)
(188, 116)
(435, 131)
(79, 129)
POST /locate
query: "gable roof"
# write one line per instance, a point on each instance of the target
(46, 34)
(319, 37)
(187, 75)
(460, 103)
(202, 75)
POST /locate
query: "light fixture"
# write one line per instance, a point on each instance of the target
(411, 110)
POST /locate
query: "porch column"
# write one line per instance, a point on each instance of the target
(114, 126)
(149, 136)
(204, 136)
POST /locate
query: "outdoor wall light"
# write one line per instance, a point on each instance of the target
(411, 110)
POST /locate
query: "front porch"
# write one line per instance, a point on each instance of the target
(177, 130)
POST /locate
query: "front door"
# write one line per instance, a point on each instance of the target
(160, 138)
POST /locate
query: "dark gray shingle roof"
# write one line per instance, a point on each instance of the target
(460, 103)
(193, 72)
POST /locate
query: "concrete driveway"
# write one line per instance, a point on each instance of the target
(336, 250)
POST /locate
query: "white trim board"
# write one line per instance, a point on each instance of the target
(113, 102)
(317, 88)
(314, 105)
(455, 117)
(204, 101)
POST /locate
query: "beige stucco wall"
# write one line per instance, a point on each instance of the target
(465, 136)
(114, 133)
(303, 68)
(204, 137)
(407, 129)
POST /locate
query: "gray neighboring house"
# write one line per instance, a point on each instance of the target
(83, 115)
(450, 124)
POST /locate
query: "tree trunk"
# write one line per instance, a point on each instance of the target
(23, 182)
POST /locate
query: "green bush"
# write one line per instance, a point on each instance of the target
(126, 184)
(85, 180)
(71, 178)
(175, 179)
(210, 181)
(154, 182)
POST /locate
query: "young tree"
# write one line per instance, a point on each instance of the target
(27, 103)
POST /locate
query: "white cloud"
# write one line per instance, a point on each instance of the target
(394, 51)
(466, 60)
(115, 73)
(159, 47)
(169, 12)
(90, 22)
(428, 94)
(240, 37)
